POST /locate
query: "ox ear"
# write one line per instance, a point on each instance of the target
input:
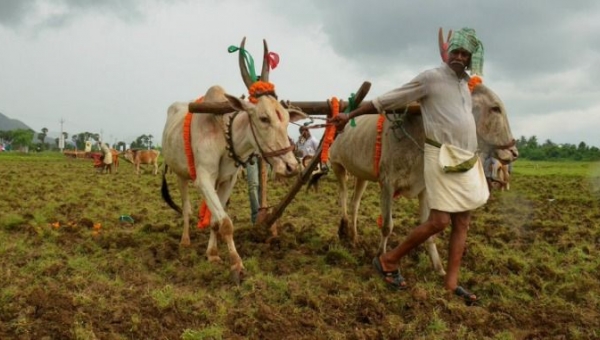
(238, 104)
(296, 115)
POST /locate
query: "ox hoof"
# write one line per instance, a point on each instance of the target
(214, 259)
(237, 276)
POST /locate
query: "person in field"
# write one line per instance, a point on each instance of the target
(307, 145)
(454, 178)
(107, 158)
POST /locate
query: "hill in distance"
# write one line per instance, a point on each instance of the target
(8, 124)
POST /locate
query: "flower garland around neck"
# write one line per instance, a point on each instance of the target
(260, 88)
(377, 156)
(474, 81)
(330, 131)
(203, 212)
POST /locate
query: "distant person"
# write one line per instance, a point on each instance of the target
(491, 166)
(252, 177)
(106, 157)
(307, 145)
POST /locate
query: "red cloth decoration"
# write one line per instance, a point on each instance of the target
(273, 59)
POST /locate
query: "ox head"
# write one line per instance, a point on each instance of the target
(128, 155)
(268, 119)
(493, 130)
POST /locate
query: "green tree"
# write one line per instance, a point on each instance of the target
(22, 139)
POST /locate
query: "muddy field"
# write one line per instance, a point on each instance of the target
(70, 269)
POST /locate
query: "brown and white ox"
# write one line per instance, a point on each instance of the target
(219, 143)
(401, 162)
(138, 157)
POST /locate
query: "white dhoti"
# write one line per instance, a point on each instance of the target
(453, 191)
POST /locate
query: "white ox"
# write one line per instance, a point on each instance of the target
(219, 144)
(401, 164)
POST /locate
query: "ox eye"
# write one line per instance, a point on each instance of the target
(496, 109)
(265, 120)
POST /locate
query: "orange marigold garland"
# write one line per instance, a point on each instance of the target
(474, 81)
(203, 216)
(259, 88)
(203, 212)
(377, 156)
(330, 131)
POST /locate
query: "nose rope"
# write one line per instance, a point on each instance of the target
(267, 155)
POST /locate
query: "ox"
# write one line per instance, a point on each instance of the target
(401, 165)
(219, 145)
(138, 157)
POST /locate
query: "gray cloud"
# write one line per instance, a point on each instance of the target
(41, 14)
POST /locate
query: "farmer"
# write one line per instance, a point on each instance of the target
(106, 157)
(445, 103)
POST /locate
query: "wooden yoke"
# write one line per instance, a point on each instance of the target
(323, 108)
(320, 108)
(218, 108)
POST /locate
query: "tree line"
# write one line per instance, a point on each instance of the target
(23, 139)
(530, 148)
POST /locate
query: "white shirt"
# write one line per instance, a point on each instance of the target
(308, 146)
(445, 102)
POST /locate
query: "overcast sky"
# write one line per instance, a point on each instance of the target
(114, 66)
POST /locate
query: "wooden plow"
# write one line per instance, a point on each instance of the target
(268, 216)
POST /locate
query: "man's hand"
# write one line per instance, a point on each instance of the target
(339, 121)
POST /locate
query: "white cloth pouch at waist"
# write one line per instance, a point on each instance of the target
(455, 159)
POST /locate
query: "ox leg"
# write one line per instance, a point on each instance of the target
(212, 250)
(220, 221)
(187, 211)
(224, 190)
(434, 256)
(359, 189)
(385, 202)
(341, 176)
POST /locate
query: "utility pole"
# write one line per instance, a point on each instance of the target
(61, 138)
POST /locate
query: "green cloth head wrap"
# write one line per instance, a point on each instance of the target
(467, 39)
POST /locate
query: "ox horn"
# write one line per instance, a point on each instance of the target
(264, 74)
(245, 75)
(443, 45)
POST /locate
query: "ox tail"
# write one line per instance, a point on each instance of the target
(165, 193)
